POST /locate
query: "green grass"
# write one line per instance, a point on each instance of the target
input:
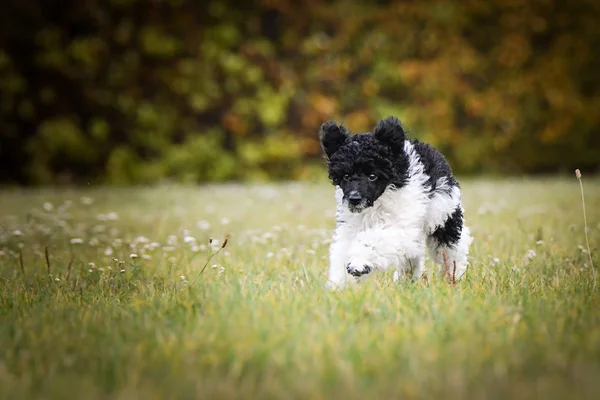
(258, 323)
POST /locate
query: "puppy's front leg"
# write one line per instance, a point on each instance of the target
(337, 263)
(378, 249)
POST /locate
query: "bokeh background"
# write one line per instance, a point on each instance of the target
(140, 91)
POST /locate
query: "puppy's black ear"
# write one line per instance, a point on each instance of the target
(390, 132)
(332, 137)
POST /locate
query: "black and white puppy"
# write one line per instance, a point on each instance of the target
(395, 197)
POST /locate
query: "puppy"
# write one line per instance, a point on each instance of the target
(395, 197)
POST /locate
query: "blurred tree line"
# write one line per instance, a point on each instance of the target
(132, 91)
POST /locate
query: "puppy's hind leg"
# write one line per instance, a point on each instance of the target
(451, 241)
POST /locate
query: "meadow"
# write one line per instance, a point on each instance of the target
(113, 293)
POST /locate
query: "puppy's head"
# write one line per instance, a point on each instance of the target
(364, 165)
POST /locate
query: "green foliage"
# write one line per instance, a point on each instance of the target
(259, 323)
(499, 86)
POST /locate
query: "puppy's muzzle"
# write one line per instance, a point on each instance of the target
(354, 198)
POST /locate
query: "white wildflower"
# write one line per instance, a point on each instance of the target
(168, 248)
(112, 216)
(189, 239)
(86, 200)
(142, 239)
(17, 233)
(76, 241)
(203, 225)
(108, 251)
(539, 242)
(92, 265)
(94, 242)
(182, 277)
(146, 256)
(310, 251)
(48, 206)
(57, 279)
(530, 254)
(122, 271)
(269, 255)
(133, 255)
(225, 221)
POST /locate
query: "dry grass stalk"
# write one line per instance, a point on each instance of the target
(585, 228)
(47, 256)
(225, 241)
(21, 264)
(69, 268)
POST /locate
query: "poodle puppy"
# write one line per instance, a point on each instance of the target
(395, 198)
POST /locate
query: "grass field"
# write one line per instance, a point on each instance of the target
(121, 310)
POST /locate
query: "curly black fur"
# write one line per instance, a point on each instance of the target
(435, 165)
(449, 234)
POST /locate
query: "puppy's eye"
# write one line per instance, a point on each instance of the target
(372, 177)
(346, 177)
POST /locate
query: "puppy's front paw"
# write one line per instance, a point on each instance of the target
(358, 269)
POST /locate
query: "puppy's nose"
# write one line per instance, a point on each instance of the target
(354, 198)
